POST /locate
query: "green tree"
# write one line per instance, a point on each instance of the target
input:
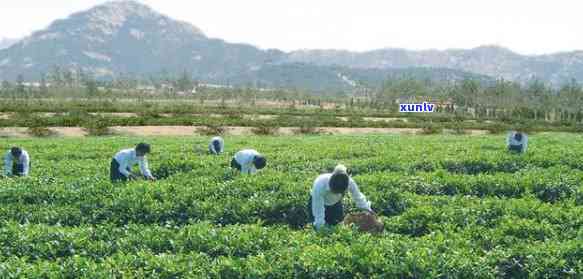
(570, 99)
(537, 94)
(68, 78)
(91, 87)
(184, 83)
(55, 77)
(44, 89)
(6, 88)
(20, 88)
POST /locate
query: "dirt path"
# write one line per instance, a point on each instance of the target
(73, 132)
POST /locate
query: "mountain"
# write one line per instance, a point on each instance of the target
(128, 38)
(494, 61)
(322, 78)
(6, 42)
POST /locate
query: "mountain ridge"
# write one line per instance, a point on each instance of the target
(129, 38)
(7, 42)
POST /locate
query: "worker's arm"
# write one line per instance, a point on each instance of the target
(508, 139)
(358, 197)
(26, 164)
(8, 164)
(318, 210)
(144, 168)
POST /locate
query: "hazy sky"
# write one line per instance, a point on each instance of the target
(528, 27)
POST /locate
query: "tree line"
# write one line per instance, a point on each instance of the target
(469, 98)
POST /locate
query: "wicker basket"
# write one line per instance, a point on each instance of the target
(365, 222)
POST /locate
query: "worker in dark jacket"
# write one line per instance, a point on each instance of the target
(16, 162)
(217, 146)
(517, 142)
(248, 161)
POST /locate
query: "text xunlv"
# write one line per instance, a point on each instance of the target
(425, 107)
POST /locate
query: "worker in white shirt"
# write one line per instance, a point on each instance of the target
(248, 161)
(217, 146)
(325, 204)
(517, 142)
(123, 161)
(16, 162)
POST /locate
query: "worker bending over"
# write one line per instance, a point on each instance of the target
(325, 203)
(217, 146)
(123, 161)
(248, 161)
(517, 142)
(16, 162)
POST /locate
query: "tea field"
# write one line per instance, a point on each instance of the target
(453, 207)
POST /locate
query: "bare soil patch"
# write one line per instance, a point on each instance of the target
(69, 132)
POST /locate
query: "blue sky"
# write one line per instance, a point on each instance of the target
(527, 27)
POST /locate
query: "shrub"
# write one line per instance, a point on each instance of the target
(76, 118)
(171, 168)
(97, 127)
(356, 121)
(40, 132)
(468, 166)
(211, 130)
(392, 203)
(34, 121)
(556, 190)
(459, 130)
(264, 129)
(431, 130)
(525, 127)
(425, 166)
(578, 128)
(21, 115)
(150, 114)
(308, 128)
(458, 127)
(579, 198)
(496, 128)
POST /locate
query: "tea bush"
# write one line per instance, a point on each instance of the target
(452, 207)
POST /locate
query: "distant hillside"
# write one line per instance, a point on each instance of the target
(5, 42)
(300, 75)
(129, 38)
(493, 61)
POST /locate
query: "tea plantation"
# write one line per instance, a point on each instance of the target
(453, 207)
